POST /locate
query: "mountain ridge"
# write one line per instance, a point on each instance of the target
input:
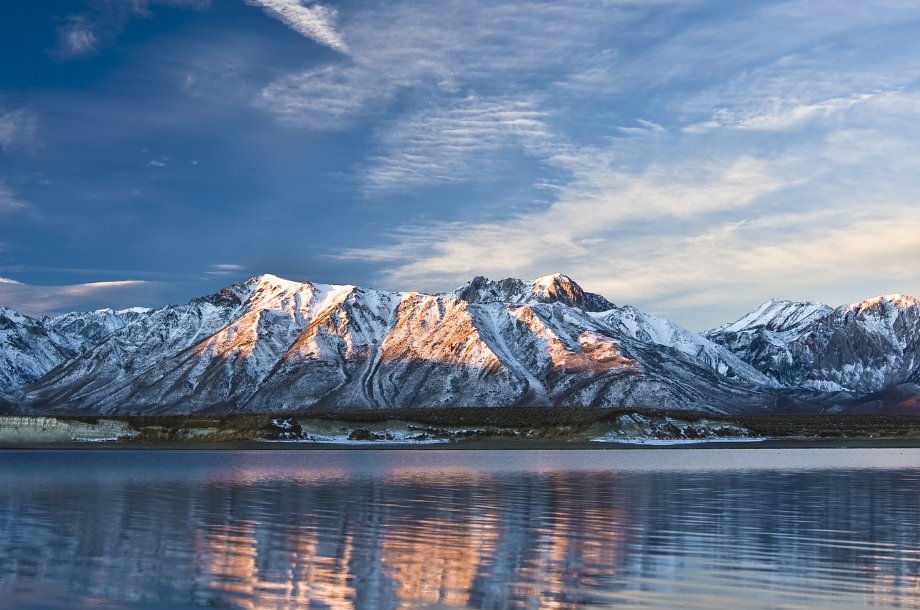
(274, 345)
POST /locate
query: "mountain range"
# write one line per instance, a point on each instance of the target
(275, 345)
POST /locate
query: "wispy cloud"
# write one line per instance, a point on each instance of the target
(644, 128)
(598, 207)
(444, 49)
(224, 269)
(83, 34)
(713, 273)
(77, 37)
(779, 113)
(446, 143)
(17, 128)
(315, 21)
(38, 300)
(9, 200)
(709, 223)
(322, 98)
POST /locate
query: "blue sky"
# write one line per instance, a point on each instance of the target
(692, 158)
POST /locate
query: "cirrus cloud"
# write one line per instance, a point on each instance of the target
(17, 128)
(9, 200)
(37, 300)
(315, 21)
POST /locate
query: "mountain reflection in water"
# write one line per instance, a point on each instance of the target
(445, 529)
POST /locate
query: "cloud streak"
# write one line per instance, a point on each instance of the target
(35, 300)
(77, 37)
(84, 34)
(446, 143)
(17, 128)
(314, 21)
(601, 206)
(323, 98)
(9, 201)
(438, 52)
(224, 269)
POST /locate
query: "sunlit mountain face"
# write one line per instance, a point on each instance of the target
(274, 345)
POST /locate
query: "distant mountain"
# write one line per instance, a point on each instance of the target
(28, 352)
(273, 345)
(30, 348)
(853, 350)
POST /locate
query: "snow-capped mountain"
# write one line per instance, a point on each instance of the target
(854, 349)
(270, 344)
(78, 330)
(666, 335)
(30, 348)
(29, 351)
(274, 345)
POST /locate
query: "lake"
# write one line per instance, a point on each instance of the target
(380, 529)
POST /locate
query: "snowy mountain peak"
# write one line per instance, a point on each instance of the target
(483, 290)
(555, 288)
(272, 281)
(895, 301)
(137, 310)
(558, 288)
(860, 348)
(776, 315)
(12, 314)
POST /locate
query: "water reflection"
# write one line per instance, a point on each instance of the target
(447, 530)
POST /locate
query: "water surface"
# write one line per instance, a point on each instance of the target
(688, 528)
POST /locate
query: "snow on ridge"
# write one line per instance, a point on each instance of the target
(273, 312)
(14, 315)
(327, 295)
(546, 283)
(776, 314)
(268, 279)
(897, 299)
(822, 385)
(554, 288)
(276, 293)
(661, 331)
(557, 287)
(782, 315)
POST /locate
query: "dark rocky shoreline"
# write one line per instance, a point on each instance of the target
(457, 428)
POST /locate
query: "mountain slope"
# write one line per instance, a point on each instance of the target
(274, 345)
(854, 349)
(31, 348)
(121, 366)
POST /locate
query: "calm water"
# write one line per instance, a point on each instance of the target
(728, 528)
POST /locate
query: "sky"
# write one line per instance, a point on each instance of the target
(693, 158)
